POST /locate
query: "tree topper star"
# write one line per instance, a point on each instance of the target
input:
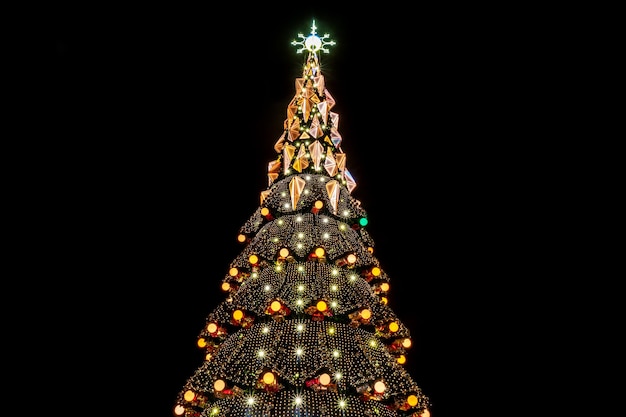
(313, 43)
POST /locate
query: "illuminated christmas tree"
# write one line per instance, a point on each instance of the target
(305, 328)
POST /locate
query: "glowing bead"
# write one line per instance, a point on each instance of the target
(324, 379)
(275, 306)
(269, 378)
(379, 387)
(189, 395)
(265, 211)
(219, 385)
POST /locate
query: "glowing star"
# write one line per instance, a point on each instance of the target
(313, 43)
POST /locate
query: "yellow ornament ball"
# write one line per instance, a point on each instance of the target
(219, 385)
(189, 395)
(269, 378)
(324, 379)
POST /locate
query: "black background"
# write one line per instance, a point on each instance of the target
(163, 120)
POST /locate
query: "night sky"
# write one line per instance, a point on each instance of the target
(165, 120)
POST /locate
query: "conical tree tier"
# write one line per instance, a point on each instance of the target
(305, 328)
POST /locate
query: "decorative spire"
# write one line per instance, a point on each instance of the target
(310, 141)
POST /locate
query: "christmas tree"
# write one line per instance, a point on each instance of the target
(305, 328)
